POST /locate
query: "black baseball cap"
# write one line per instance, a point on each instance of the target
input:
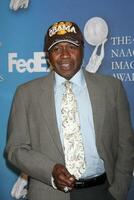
(63, 31)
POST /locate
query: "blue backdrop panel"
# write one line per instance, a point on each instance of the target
(21, 57)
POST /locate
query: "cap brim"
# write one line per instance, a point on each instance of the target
(76, 43)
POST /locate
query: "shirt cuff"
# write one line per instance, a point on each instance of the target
(53, 184)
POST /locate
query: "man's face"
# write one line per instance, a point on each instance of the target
(66, 59)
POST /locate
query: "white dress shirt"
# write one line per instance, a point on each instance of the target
(94, 165)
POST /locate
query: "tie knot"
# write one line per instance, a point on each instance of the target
(68, 84)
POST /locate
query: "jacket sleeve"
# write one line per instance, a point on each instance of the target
(19, 149)
(125, 158)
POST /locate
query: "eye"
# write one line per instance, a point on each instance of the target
(56, 49)
(72, 47)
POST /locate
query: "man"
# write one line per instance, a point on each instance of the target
(37, 142)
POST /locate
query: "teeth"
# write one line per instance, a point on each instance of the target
(65, 64)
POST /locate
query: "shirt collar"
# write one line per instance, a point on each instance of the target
(77, 79)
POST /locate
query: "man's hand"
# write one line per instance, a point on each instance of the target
(62, 178)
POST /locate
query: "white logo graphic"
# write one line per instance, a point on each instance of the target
(1, 78)
(35, 64)
(95, 33)
(16, 4)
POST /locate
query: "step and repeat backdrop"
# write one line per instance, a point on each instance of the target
(108, 28)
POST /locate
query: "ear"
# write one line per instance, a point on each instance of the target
(48, 61)
(46, 55)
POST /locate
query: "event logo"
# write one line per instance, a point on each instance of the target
(35, 64)
(122, 57)
(95, 33)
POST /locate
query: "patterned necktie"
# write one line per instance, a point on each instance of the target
(73, 145)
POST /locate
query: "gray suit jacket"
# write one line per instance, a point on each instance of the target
(34, 144)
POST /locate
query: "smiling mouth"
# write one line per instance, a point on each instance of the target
(65, 64)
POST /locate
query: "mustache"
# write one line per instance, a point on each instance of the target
(67, 61)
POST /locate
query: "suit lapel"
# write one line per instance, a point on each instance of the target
(98, 103)
(47, 106)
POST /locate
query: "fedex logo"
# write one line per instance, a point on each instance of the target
(35, 64)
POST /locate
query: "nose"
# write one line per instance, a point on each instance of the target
(65, 52)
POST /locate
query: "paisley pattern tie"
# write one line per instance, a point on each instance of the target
(73, 145)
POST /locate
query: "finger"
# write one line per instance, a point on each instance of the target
(62, 177)
(67, 180)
